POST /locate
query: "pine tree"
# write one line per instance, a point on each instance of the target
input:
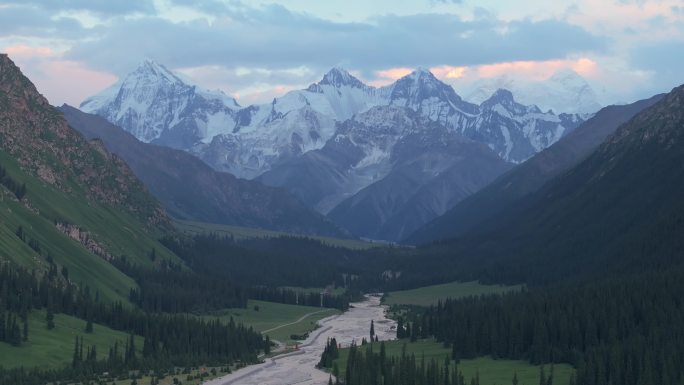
(50, 319)
(26, 328)
(515, 378)
(75, 359)
(89, 325)
(372, 331)
(400, 328)
(542, 376)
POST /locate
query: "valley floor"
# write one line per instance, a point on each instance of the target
(298, 367)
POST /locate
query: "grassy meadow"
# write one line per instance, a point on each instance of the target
(54, 348)
(190, 227)
(492, 372)
(429, 295)
(278, 321)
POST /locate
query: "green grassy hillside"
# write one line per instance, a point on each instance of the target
(77, 205)
(116, 231)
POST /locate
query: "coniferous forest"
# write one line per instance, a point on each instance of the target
(169, 339)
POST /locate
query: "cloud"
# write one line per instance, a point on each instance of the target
(100, 7)
(446, 1)
(663, 58)
(35, 22)
(61, 81)
(273, 37)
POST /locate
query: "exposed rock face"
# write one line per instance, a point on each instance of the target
(84, 238)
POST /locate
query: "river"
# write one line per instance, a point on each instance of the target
(299, 367)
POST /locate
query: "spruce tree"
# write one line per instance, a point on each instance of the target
(400, 328)
(26, 329)
(50, 319)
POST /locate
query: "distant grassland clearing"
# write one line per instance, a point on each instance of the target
(492, 372)
(54, 348)
(190, 227)
(315, 290)
(278, 321)
(430, 295)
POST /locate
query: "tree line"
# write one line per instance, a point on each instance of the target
(365, 366)
(18, 189)
(627, 330)
(169, 339)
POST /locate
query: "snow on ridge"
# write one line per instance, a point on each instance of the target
(154, 104)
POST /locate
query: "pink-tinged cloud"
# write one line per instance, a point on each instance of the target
(537, 70)
(385, 77)
(248, 97)
(24, 51)
(449, 72)
(60, 81)
(616, 16)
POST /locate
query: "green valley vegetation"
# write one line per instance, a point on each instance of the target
(53, 347)
(613, 331)
(238, 233)
(168, 340)
(430, 295)
(279, 321)
(429, 362)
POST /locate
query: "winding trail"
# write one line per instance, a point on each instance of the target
(299, 367)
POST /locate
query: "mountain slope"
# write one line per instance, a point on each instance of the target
(81, 206)
(530, 175)
(431, 170)
(189, 189)
(618, 210)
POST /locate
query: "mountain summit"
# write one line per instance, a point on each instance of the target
(158, 106)
(339, 77)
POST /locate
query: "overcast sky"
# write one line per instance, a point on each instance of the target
(255, 50)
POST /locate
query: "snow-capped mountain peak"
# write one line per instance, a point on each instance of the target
(152, 69)
(501, 96)
(421, 90)
(339, 77)
(564, 91)
(569, 77)
(153, 103)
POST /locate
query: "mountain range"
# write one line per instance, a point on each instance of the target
(331, 141)
(190, 189)
(506, 192)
